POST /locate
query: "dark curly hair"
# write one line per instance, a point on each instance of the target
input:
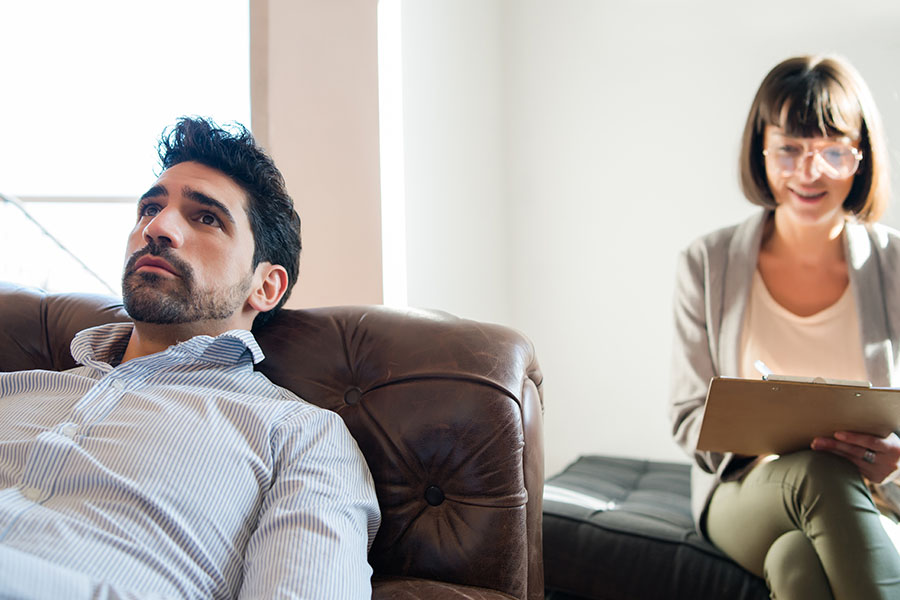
(270, 210)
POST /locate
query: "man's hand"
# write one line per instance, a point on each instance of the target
(878, 459)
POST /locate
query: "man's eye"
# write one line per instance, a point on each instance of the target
(209, 219)
(149, 210)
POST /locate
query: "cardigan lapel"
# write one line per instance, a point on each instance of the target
(869, 293)
(743, 254)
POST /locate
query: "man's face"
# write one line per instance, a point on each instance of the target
(189, 256)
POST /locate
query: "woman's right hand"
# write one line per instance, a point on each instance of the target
(878, 459)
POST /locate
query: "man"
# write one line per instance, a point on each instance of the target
(165, 466)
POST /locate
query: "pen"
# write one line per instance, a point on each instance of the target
(762, 368)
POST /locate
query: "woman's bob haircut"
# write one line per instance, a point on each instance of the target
(812, 96)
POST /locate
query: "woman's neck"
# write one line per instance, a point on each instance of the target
(810, 243)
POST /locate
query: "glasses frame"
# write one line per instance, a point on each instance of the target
(817, 152)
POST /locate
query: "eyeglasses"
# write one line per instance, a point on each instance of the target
(835, 160)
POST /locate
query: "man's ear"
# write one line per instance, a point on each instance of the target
(271, 283)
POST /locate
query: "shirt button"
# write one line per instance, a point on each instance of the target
(117, 384)
(31, 493)
(69, 430)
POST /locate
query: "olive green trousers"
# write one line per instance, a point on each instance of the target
(806, 523)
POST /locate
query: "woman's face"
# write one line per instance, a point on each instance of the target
(803, 178)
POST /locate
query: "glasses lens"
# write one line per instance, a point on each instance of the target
(787, 158)
(835, 161)
(840, 159)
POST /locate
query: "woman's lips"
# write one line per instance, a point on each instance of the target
(809, 196)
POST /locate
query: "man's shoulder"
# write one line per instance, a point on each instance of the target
(297, 410)
(304, 425)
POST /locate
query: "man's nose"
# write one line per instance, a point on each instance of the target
(165, 227)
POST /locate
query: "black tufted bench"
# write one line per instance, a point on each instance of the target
(621, 529)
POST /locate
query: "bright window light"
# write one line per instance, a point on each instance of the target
(393, 202)
(88, 87)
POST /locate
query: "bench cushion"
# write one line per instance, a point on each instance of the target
(618, 528)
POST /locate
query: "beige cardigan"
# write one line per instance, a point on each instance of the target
(712, 286)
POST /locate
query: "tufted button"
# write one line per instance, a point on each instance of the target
(434, 495)
(352, 396)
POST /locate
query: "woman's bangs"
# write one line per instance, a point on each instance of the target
(824, 109)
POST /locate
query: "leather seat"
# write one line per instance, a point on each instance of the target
(447, 411)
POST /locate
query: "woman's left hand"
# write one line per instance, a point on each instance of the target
(878, 459)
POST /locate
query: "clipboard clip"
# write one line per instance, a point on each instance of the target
(768, 375)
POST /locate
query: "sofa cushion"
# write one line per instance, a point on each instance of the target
(618, 528)
(410, 588)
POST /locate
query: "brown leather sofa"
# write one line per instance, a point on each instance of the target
(448, 413)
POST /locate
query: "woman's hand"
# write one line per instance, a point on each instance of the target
(878, 459)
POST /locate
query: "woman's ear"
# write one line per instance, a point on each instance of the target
(271, 282)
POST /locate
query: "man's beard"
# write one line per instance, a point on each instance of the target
(165, 300)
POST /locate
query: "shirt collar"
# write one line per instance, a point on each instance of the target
(107, 343)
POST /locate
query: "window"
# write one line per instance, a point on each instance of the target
(393, 195)
(91, 87)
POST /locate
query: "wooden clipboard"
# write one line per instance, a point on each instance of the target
(755, 416)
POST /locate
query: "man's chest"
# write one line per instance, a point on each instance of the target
(170, 440)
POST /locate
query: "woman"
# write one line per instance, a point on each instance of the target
(810, 286)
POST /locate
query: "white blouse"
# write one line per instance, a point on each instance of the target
(826, 344)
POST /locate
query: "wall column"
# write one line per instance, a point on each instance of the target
(314, 91)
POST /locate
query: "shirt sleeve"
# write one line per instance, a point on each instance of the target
(27, 577)
(318, 520)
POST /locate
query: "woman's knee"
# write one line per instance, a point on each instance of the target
(793, 570)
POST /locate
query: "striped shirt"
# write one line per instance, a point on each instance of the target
(182, 474)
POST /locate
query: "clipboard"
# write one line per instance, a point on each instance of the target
(756, 416)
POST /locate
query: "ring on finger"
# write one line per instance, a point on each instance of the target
(868, 456)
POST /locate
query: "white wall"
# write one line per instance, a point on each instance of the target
(619, 125)
(458, 229)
